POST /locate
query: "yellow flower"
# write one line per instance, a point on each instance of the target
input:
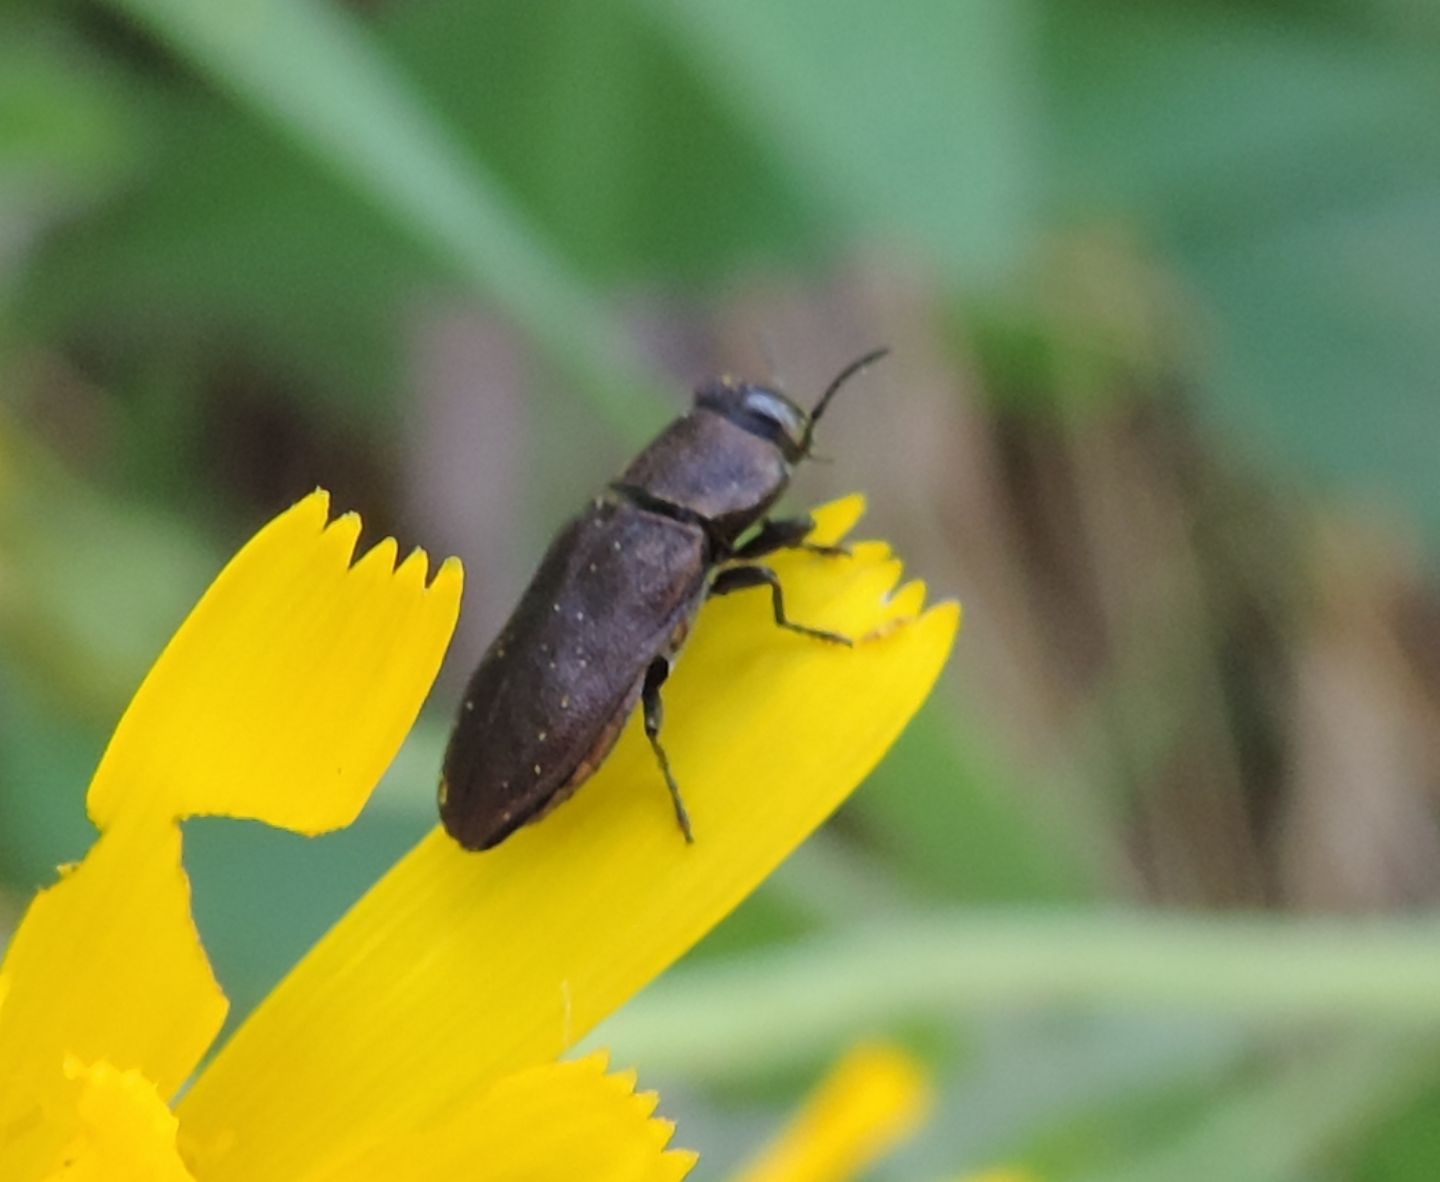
(875, 1097)
(421, 1037)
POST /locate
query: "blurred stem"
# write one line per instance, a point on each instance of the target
(817, 994)
(309, 68)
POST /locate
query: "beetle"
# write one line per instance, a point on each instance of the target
(614, 598)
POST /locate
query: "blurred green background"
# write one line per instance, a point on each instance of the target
(1151, 881)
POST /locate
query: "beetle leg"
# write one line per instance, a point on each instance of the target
(786, 533)
(741, 578)
(654, 712)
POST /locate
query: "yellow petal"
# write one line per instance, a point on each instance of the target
(458, 968)
(288, 690)
(874, 1098)
(125, 1132)
(106, 966)
(554, 1123)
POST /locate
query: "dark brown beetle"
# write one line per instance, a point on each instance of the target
(613, 600)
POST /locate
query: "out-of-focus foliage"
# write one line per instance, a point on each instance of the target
(1160, 280)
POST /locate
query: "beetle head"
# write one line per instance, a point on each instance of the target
(769, 414)
(760, 410)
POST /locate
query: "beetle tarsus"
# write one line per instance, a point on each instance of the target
(840, 551)
(742, 578)
(654, 712)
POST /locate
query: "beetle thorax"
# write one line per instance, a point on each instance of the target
(706, 465)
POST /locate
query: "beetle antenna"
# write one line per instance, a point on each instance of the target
(841, 378)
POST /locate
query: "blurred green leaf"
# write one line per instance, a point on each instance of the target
(237, 245)
(1405, 1146)
(45, 764)
(63, 137)
(915, 124)
(1332, 364)
(92, 589)
(602, 128)
(957, 816)
(1292, 169)
(321, 78)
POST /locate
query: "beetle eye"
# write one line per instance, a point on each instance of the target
(777, 409)
(762, 412)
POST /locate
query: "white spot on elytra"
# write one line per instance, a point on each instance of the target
(469, 706)
(542, 736)
(565, 702)
(579, 617)
(537, 769)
